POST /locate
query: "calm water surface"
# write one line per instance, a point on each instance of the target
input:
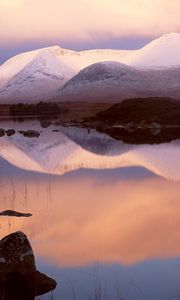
(105, 218)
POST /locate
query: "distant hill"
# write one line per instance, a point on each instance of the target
(113, 81)
(165, 111)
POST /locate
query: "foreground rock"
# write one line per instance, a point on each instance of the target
(19, 278)
(13, 213)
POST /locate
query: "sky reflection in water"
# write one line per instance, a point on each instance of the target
(117, 227)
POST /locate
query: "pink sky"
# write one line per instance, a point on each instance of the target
(83, 24)
(85, 20)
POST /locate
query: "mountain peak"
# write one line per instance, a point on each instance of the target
(170, 35)
(162, 52)
(51, 48)
(169, 39)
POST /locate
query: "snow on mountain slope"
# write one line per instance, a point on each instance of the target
(115, 81)
(39, 79)
(14, 65)
(163, 52)
(43, 57)
(90, 57)
(70, 150)
(38, 75)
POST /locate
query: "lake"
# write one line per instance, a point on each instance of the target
(105, 214)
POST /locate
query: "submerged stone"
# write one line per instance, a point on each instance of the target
(31, 133)
(2, 132)
(13, 213)
(10, 132)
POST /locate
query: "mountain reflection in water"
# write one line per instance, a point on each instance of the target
(73, 148)
(128, 225)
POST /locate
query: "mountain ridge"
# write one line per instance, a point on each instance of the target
(39, 74)
(115, 82)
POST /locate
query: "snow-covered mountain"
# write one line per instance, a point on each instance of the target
(75, 148)
(39, 75)
(35, 75)
(163, 52)
(115, 81)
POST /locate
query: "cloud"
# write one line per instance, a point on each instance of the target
(84, 20)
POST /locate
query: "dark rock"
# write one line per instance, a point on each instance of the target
(153, 109)
(21, 131)
(44, 284)
(19, 278)
(14, 286)
(13, 213)
(16, 253)
(10, 132)
(25, 286)
(31, 133)
(152, 120)
(2, 132)
(45, 123)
